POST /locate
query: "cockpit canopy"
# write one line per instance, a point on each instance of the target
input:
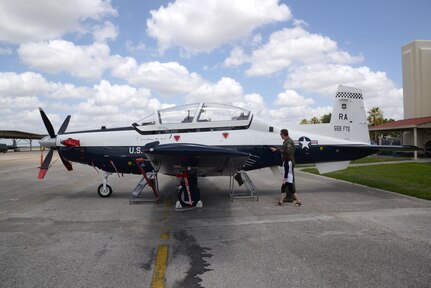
(198, 115)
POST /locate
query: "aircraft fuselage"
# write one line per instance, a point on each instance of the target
(116, 150)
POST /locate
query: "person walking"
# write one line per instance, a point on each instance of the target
(288, 180)
(289, 147)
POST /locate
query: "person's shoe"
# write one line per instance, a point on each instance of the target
(297, 204)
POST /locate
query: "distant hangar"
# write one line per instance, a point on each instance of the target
(16, 136)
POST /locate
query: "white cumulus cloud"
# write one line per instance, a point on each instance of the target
(36, 20)
(26, 84)
(291, 98)
(377, 88)
(226, 90)
(293, 46)
(202, 25)
(169, 78)
(57, 56)
(107, 31)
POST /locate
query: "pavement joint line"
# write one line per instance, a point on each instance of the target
(256, 220)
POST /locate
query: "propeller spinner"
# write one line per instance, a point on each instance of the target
(50, 142)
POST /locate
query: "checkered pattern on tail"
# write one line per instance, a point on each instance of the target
(350, 95)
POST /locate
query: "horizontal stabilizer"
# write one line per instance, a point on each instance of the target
(327, 167)
(395, 148)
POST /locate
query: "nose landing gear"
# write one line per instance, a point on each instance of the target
(105, 190)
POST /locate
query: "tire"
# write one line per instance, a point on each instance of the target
(180, 194)
(104, 193)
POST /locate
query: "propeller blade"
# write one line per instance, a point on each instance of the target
(64, 125)
(45, 165)
(66, 163)
(47, 123)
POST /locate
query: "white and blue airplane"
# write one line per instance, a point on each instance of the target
(211, 139)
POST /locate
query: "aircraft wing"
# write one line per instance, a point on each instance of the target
(201, 160)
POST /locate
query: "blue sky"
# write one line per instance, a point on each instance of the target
(113, 62)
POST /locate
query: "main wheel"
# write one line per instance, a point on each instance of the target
(104, 192)
(181, 193)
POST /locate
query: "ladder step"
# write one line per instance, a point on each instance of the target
(251, 191)
(137, 195)
(138, 189)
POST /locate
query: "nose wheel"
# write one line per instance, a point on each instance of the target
(104, 191)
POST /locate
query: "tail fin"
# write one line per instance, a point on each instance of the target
(349, 119)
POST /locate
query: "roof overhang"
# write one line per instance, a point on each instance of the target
(406, 124)
(13, 134)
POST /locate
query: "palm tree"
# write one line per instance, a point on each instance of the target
(375, 116)
(303, 121)
(326, 118)
(314, 120)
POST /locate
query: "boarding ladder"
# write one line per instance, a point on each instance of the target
(148, 179)
(242, 178)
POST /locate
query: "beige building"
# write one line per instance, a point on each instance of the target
(416, 126)
(416, 60)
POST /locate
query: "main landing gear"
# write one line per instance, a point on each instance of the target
(188, 192)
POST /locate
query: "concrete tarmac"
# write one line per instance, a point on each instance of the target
(58, 232)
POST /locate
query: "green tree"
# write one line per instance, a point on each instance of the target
(326, 118)
(323, 119)
(375, 117)
(314, 120)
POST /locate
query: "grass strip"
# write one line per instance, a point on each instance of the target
(413, 179)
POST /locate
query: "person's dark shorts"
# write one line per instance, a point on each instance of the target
(287, 188)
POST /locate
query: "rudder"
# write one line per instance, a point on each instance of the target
(349, 119)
